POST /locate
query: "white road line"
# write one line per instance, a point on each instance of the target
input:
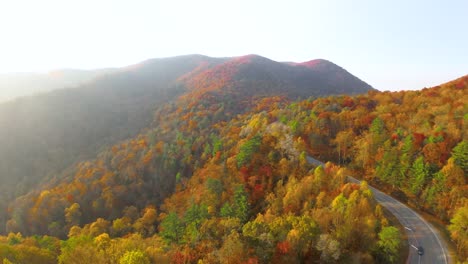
(435, 234)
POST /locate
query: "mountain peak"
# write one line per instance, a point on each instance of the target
(251, 58)
(248, 73)
(313, 63)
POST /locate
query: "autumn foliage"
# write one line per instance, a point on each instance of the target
(222, 177)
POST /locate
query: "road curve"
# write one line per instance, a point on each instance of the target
(420, 233)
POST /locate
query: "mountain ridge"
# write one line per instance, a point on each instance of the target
(300, 81)
(198, 156)
(20, 84)
(169, 148)
(44, 134)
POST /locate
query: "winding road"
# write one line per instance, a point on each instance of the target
(420, 233)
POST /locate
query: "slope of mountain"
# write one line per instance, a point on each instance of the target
(259, 76)
(239, 187)
(221, 173)
(44, 134)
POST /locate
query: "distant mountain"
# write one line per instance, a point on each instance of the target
(46, 133)
(213, 165)
(14, 85)
(256, 75)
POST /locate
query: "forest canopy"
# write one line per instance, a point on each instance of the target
(222, 176)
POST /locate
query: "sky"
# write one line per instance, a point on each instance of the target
(392, 45)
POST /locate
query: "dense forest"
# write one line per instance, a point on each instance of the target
(245, 188)
(220, 175)
(45, 134)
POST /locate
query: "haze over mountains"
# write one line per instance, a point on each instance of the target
(48, 132)
(13, 85)
(194, 158)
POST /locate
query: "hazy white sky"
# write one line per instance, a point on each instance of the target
(392, 45)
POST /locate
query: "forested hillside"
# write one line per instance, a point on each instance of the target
(216, 178)
(43, 135)
(243, 192)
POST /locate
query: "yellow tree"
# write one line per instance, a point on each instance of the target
(73, 214)
(459, 231)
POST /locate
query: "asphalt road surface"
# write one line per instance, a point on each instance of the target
(420, 233)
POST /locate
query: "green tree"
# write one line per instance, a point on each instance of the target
(215, 186)
(247, 150)
(217, 144)
(389, 244)
(387, 168)
(460, 154)
(172, 228)
(193, 218)
(241, 205)
(377, 127)
(226, 210)
(377, 130)
(339, 204)
(407, 147)
(196, 214)
(406, 156)
(419, 175)
(14, 239)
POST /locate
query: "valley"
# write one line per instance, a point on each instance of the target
(194, 159)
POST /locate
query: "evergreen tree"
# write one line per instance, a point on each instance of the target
(460, 154)
(387, 169)
(419, 174)
(406, 157)
(247, 150)
(241, 204)
(226, 210)
(389, 244)
(172, 228)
